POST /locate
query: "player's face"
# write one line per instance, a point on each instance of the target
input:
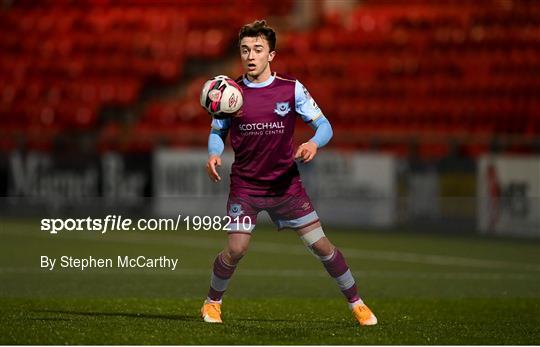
(256, 57)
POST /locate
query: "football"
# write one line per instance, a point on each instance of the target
(221, 97)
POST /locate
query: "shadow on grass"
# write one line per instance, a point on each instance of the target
(50, 319)
(175, 317)
(295, 321)
(116, 314)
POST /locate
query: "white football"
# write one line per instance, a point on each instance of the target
(221, 97)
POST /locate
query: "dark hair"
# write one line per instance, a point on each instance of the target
(259, 28)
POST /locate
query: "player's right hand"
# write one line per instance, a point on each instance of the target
(213, 162)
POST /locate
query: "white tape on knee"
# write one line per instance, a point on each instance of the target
(313, 236)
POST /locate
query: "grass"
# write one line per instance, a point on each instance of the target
(425, 289)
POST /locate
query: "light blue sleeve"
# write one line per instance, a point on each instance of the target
(323, 131)
(305, 106)
(218, 134)
(310, 112)
(219, 124)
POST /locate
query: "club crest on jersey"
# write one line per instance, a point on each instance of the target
(282, 108)
(235, 210)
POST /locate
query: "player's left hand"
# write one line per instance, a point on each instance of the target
(306, 152)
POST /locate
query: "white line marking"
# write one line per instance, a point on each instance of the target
(280, 248)
(280, 273)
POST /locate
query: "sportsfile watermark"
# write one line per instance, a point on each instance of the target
(120, 223)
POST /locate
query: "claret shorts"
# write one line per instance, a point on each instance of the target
(292, 210)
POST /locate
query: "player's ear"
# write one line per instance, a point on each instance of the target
(271, 56)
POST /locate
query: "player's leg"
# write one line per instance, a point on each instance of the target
(334, 262)
(296, 212)
(222, 271)
(225, 264)
(332, 259)
(226, 261)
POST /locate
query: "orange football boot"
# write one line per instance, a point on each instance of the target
(211, 312)
(363, 315)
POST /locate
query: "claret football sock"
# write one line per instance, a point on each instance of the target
(221, 275)
(336, 267)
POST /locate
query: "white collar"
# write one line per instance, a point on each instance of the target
(250, 84)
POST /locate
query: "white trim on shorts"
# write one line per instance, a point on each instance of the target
(298, 222)
(240, 228)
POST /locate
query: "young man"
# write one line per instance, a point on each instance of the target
(264, 175)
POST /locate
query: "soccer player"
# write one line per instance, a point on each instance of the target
(264, 175)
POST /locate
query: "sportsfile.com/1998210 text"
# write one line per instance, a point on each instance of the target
(119, 223)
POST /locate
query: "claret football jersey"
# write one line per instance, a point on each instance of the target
(262, 135)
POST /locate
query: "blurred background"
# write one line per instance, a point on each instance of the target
(435, 107)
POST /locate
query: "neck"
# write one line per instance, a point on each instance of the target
(263, 76)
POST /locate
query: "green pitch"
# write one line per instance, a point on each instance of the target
(424, 289)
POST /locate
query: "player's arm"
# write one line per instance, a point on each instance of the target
(310, 112)
(216, 145)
